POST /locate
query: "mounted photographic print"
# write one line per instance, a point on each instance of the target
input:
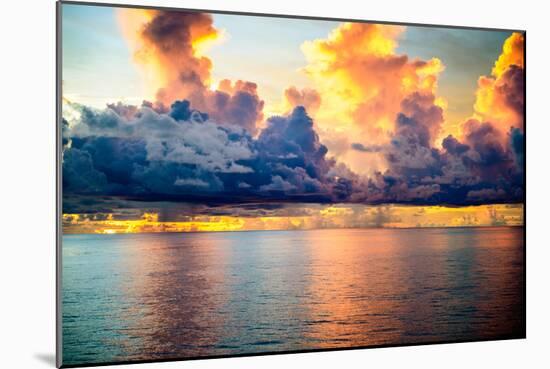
(233, 184)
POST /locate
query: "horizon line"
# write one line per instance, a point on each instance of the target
(303, 230)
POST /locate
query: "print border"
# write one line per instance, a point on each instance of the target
(59, 182)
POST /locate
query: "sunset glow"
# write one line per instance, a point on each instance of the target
(363, 123)
(334, 216)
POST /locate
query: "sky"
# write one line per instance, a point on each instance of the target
(179, 108)
(93, 40)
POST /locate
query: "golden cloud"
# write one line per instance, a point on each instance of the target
(513, 53)
(362, 82)
(499, 97)
(314, 217)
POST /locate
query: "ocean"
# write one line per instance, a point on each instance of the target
(158, 296)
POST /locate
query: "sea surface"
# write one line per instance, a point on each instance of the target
(176, 295)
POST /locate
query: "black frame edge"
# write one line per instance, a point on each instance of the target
(59, 187)
(288, 16)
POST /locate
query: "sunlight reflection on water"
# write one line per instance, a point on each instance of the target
(161, 296)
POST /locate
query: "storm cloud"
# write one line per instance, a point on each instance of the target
(184, 153)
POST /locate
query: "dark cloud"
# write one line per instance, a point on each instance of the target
(487, 194)
(485, 140)
(181, 110)
(278, 184)
(64, 132)
(105, 119)
(363, 148)
(79, 173)
(420, 119)
(480, 169)
(453, 146)
(124, 110)
(172, 179)
(511, 86)
(183, 154)
(289, 149)
(235, 103)
(517, 141)
(410, 154)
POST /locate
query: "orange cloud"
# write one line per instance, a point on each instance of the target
(307, 97)
(362, 82)
(169, 47)
(500, 97)
(513, 53)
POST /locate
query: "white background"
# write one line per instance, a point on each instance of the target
(27, 180)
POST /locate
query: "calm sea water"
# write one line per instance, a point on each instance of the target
(162, 296)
